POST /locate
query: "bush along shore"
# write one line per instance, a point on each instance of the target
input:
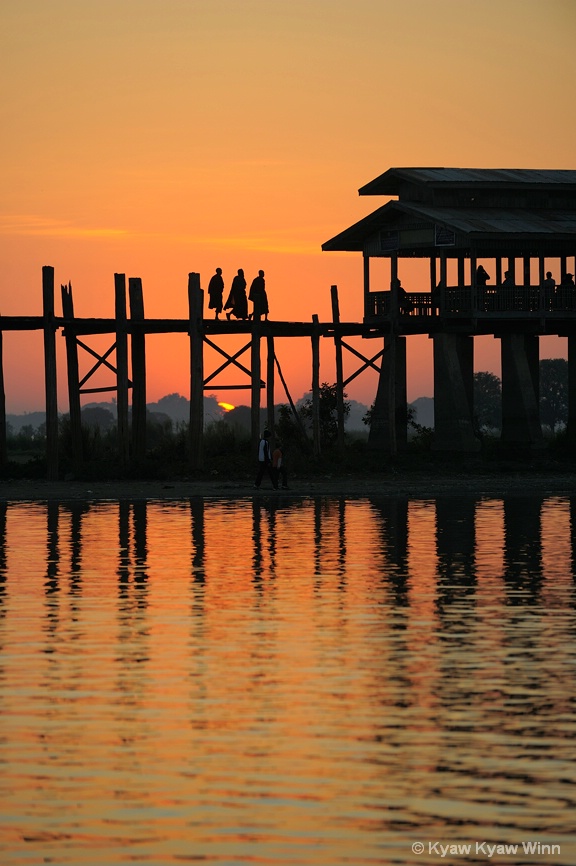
(228, 465)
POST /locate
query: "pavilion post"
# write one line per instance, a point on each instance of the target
(196, 331)
(50, 377)
(72, 375)
(122, 368)
(443, 280)
(521, 427)
(541, 278)
(394, 293)
(339, 366)
(138, 346)
(473, 287)
(498, 277)
(462, 271)
(367, 308)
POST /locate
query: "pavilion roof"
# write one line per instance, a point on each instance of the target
(394, 179)
(471, 224)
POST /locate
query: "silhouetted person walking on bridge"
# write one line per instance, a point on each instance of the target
(216, 292)
(258, 296)
(237, 301)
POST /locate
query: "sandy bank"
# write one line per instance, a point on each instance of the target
(418, 484)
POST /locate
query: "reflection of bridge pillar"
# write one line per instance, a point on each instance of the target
(388, 425)
(453, 393)
(520, 391)
(572, 389)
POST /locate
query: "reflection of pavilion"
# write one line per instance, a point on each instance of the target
(518, 221)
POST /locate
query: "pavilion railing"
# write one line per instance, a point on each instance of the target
(481, 300)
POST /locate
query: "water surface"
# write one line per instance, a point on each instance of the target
(281, 681)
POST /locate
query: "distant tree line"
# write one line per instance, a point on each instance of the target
(553, 397)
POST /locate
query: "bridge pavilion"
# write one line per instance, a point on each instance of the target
(518, 224)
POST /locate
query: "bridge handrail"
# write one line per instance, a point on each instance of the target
(479, 300)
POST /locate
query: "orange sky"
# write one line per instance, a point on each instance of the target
(159, 137)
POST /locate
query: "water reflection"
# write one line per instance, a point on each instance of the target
(317, 681)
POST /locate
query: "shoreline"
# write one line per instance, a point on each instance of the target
(412, 484)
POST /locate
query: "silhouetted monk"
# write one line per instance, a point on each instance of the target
(237, 301)
(565, 292)
(482, 276)
(405, 305)
(216, 292)
(258, 295)
(549, 286)
(508, 279)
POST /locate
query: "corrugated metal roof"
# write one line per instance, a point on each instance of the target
(389, 182)
(475, 222)
(497, 220)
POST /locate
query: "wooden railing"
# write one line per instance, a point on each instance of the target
(469, 301)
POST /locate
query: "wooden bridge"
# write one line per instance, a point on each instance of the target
(129, 329)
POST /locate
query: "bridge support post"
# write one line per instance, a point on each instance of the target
(388, 427)
(453, 394)
(122, 368)
(520, 392)
(256, 370)
(196, 331)
(138, 347)
(50, 378)
(73, 376)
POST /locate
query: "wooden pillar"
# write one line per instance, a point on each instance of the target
(498, 277)
(433, 276)
(121, 368)
(255, 371)
(270, 386)
(389, 427)
(461, 271)
(453, 393)
(339, 367)
(541, 277)
(367, 306)
(394, 306)
(521, 428)
(72, 373)
(3, 443)
(443, 280)
(473, 289)
(50, 377)
(316, 385)
(196, 331)
(138, 345)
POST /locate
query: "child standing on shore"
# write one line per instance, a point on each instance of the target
(279, 466)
